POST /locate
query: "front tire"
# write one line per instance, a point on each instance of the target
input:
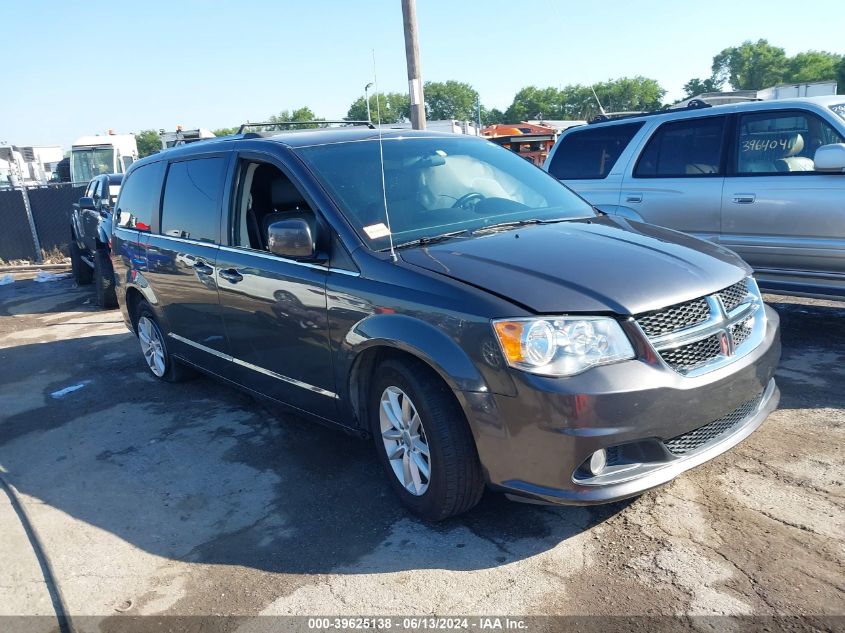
(104, 280)
(154, 348)
(82, 273)
(423, 441)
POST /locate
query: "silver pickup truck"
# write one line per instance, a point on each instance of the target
(765, 179)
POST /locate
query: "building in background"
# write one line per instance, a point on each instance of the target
(785, 91)
(530, 140)
(455, 126)
(28, 164)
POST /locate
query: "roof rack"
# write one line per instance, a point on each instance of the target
(694, 104)
(275, 126)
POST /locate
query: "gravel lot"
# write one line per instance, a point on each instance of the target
(150, 498)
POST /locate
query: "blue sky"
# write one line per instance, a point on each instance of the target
(71, 68)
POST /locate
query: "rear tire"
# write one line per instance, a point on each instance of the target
(104, 280)
(438, 439)
(82, 273)
(154, 348)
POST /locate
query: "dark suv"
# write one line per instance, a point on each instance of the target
(480, 321)
(90, 234)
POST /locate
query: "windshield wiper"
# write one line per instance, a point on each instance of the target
(433, 239)
(504, 226)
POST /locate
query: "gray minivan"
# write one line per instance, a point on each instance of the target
(765, 179)
(481, 323)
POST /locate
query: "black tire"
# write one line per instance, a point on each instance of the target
(104, 280)
(456, 483)
(174, 371)
(82, 273)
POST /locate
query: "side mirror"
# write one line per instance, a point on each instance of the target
(830, 158)
(291, 239)
(86, 203)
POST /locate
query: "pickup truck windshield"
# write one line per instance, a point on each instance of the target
(436, 185)
(839, 108)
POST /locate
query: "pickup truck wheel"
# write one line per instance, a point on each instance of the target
(423, 441)
(104, 280)
(82, 273)
(154, 348)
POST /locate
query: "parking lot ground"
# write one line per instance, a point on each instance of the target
(152, 498)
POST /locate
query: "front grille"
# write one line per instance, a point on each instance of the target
(717, 333)
(732, 296)
(741, 331)
(689, 442)
(674, 318)
(685, 358)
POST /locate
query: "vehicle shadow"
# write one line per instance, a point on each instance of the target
(201, 472)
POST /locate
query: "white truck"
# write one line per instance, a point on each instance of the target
(28, 165)
(183, 137)
(102, 154)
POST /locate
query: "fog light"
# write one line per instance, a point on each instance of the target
(598, 461)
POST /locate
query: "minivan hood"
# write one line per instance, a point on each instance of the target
(596, 265)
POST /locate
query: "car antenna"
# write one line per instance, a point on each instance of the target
(381, 162)
(601, 109)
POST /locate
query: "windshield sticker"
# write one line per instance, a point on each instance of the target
(375, 231)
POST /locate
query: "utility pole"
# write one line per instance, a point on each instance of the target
(367, 99)
(412, 54)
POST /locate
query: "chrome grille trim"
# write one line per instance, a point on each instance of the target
(734, 295)
(735, 319)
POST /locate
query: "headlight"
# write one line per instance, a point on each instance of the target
(562, 346)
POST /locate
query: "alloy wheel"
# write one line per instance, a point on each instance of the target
(151, 345)
(405, 441)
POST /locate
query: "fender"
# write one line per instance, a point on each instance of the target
(104, 230)
(622, 211)
(416, 337)
(135, 279)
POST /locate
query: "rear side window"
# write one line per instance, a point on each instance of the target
(591, 152)
(683, 149)
(191, 205)
(783, 142)
(139, 197)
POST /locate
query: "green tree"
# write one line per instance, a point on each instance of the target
(299, 114)
(840, 77)
(450, 100)
(225, 131)
(395, 108)
(696, 86)
(626, 94)
(751, 65)
(492, 116)
(577, 101)
(813, 66)
(148, 142)
(531, 102)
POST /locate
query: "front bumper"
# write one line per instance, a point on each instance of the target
(533, 445)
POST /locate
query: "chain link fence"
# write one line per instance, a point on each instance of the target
(36, 221)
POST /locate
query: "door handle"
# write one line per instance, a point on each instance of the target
(634, 197)
(202, 268)
(744, 198)
(231, 275)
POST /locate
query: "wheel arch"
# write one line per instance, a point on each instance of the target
(134, 296)
(400, 336)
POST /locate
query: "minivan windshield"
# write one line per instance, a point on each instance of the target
(436, 186)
